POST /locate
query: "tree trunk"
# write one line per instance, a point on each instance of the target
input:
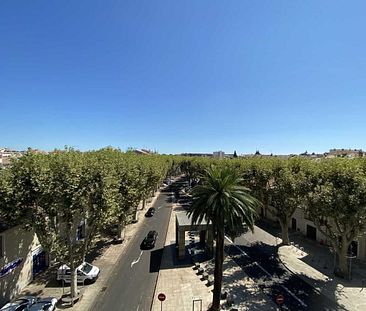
(73, 276)
(264, 207)
(135, 216)
(342, 258)
(219, 259)
(284, 232)
(143, 203)
(120, 231)
(74, 282)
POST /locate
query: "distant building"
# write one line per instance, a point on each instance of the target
(143, 151)
(192, 154)
(6, 155)
(344, 153)
(218, 154)
(312, 155)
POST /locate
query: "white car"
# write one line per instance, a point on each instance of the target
(85, 273)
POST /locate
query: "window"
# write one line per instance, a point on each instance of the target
(80, 231)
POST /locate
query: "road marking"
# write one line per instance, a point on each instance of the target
(266, 272)
(160, 207)
(138, 307)
(137, 260)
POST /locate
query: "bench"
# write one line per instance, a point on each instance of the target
(200, 270)
(196, 265)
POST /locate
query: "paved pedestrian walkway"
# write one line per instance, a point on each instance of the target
(314, 263)
(182, 286)
(177, 280)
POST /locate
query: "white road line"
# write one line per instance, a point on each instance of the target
(137, 260)
(160, 207)
(266, 272)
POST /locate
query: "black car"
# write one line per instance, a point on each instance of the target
(150, 239)
(150, 212)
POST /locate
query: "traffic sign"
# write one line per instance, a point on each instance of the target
(161, 297)
(280, 299)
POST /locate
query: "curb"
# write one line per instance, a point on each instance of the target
(165, 240)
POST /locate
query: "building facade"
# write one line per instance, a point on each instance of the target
(301, 223)
(21, 259)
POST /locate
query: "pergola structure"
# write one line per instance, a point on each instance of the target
(183, 223)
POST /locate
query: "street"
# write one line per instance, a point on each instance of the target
(133, 281)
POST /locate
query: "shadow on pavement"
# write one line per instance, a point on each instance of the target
(166, 258)
(98, 250)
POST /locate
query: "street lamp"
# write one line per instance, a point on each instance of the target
(350, 257)
(332, 250)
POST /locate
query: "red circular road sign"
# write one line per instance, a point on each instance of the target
(280, 299)
(161, 297)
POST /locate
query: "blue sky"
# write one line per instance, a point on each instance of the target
(183, 76)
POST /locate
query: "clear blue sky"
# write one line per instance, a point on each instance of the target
(183, 76)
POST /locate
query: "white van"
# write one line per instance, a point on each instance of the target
(85, 273)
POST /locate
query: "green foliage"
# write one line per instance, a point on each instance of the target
(53, 193)
(223, 201)
(337, 203)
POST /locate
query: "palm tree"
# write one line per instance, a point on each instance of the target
(223, 202)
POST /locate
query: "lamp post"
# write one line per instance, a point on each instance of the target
(350, 257)
(332, 250)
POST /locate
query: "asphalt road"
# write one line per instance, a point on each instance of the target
(261, 263)
(132, 285)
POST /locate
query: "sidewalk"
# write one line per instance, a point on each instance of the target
(106, 256)
(181, 285)
(314, 264)
(178, 281)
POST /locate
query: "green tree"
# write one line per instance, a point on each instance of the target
(287, 189)
(337, 205)
(222, 201)
(257, 173)
(194, 167)
(58, 196)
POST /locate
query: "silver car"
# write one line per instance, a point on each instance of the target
(19, 304)
(44, 304)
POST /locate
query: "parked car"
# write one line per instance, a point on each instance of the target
(150, 239)
(19, 304)
(44, 304)
(85, 273)
(150, 212)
